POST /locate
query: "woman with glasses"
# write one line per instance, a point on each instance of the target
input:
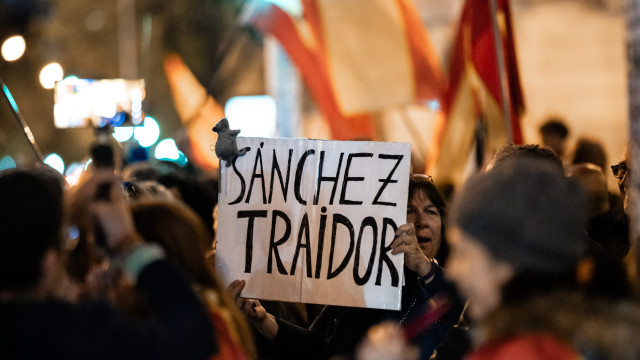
(339, 329)
(621, 173)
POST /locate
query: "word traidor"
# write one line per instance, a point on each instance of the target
(303, 242)
(313, 220)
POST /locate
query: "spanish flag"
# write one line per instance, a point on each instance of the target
(357, 57)
(484, 102)
(198, 111)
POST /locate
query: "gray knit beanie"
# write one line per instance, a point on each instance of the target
(525, 212)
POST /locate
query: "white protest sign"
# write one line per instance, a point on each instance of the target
(312, 220)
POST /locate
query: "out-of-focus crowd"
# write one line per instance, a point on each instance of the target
(529, 259)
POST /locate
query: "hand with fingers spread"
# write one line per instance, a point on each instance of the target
(264, 322)
(406, 242)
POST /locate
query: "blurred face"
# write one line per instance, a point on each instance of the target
(477, 274)
(426, 218)
(621, 172)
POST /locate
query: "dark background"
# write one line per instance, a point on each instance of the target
(83, 37)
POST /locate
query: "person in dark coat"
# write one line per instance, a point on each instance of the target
(517, 239)
(37, 325)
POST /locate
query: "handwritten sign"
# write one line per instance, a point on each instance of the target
(312, 220)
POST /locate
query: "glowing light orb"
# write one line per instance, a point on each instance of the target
(49, 74)
(7, 162)
(55, 161)
(73, 173)
(167, 150)
(147, 134)
(254, 115)
(122, 133)
(13, 48)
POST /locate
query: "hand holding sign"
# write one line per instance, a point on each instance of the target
(312, 221)
(264, 322)
(406, 242)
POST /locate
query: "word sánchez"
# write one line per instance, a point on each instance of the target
(342, 177)
(368, 232)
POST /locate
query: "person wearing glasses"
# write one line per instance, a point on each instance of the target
(517, 237)
(338, 329)
(621, 173)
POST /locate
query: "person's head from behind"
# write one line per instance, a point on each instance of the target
(199, 194)
(427, 212)
(529, 151)
(524, 217)
(179, 231)
(183, 236)
(589, 151)
(140, 171)
(554, 134)
(594, 182)
(31, 220)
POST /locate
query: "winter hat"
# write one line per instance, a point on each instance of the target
(525, 212)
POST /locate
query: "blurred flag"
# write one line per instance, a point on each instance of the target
(474, 121)
(357, 57)
(198, 111)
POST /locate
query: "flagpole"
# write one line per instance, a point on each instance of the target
(23, 125)
(502, 71)
(246, 11)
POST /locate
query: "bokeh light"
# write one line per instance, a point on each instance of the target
(13, 48)
(254, 115)
(122, 133)
(7, 162)
(73, 173)
(147, 134)
(49, 74)
(167, 150)
(86, 165)
(55, 161)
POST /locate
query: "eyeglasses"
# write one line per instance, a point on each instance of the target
(619, 170)
(131, 189)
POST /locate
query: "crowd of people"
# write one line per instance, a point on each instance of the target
(529, 260)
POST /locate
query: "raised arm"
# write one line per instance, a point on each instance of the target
(179, 326)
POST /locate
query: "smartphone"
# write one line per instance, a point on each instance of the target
(98, 102)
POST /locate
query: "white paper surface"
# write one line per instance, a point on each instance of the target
(286, 201)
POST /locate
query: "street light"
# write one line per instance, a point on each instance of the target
(13, 48)
(49, 74)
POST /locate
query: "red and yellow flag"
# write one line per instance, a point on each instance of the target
(357, 57)
(198, 111)
(473, 104)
